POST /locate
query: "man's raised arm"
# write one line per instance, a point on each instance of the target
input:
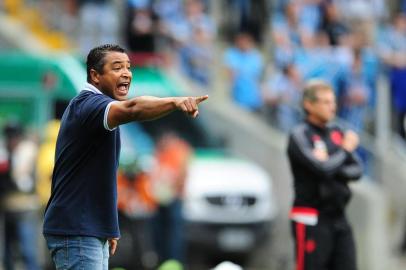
(148, 108)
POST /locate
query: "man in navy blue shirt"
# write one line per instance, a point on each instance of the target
(81, 224)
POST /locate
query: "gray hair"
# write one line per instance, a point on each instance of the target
(314, 86)
(311, 88)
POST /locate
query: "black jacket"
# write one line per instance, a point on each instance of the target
(317, 184)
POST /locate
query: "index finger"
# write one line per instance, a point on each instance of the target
(201, 98)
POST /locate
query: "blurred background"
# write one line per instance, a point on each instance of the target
(216, 190)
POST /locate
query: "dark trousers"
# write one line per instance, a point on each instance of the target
(167, 225)
(21, 232)
(328, 245)
(401, 124)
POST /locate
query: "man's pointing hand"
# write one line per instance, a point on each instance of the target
(189, 105)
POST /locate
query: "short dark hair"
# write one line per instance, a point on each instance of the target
(95, 58)
(12, 129)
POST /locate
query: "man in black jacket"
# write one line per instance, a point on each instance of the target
(323, 161)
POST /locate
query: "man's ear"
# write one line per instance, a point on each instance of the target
(307, 105)
(94, 75)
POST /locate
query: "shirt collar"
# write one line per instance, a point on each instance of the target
(92, 88)
(325, 128)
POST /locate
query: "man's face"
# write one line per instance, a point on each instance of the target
(116, 77)
(323, 110)
(244, 42)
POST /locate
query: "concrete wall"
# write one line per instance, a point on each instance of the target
(368, 212)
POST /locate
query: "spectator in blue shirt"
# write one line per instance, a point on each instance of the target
(287, 23)
(310, 16)
(245, 65)
(193, 18)
(81, 221)
(392, 50)
(196, 57)
(283, 92)
(356, 94)
(99, 23)
(286, 33)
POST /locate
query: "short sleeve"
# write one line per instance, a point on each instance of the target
(93, 112)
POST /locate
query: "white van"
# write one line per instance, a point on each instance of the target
(229, 204)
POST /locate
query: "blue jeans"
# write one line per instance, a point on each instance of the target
(78, 252)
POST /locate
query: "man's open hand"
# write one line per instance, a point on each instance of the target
(189, 105)
(113, 245)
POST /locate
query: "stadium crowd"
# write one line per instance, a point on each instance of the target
(281, 43)
(268, 50)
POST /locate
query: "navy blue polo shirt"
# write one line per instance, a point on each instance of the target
(84, 186)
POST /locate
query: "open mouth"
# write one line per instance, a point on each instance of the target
(123, 88)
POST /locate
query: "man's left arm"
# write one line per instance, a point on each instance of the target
(146, 108)
(352, 169)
